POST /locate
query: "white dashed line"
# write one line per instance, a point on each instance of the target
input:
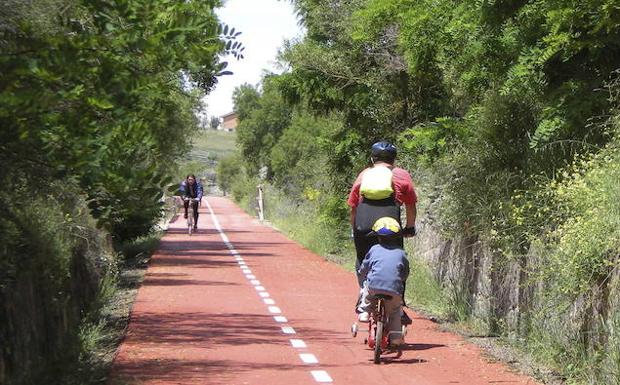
(274, 310)
(308, 358)
(299, 344)
(321, 376)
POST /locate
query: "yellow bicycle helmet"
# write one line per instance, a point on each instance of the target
(386, 226)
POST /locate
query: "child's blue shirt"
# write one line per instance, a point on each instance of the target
(385, 269)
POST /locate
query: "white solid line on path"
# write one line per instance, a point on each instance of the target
(259, 288)
(264, 294)
(280, 319)
(288, 330)
(321, 376)
(250, 276)
(269, 301)
(275, 310)
(255, 282)
(299, 344)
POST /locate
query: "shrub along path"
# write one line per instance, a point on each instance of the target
(253, 307)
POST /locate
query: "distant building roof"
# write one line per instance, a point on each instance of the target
(229, 115)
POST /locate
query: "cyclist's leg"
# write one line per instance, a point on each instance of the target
(363, 304)
(362, 245)
(186, 206)
(195, 210)
(393, 309)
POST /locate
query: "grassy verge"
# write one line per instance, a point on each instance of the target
(102, 332)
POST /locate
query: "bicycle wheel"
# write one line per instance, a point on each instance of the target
(190, 224)
(378, 339)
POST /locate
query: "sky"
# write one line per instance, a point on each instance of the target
(264, 24)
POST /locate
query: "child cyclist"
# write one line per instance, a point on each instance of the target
(384, 270)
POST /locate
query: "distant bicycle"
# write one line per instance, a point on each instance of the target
(190, 217)
(379, 336)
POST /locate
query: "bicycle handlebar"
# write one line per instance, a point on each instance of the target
(409, 231)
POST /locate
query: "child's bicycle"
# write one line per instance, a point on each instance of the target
(379, 336)
(190, 215)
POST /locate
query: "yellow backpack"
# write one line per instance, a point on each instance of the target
(377, 183)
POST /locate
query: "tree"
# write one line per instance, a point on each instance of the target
(262, 118)
(214, 123)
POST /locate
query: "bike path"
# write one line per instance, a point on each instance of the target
(239, 303)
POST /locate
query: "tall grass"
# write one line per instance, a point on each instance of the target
(302, 221)
(423, 292)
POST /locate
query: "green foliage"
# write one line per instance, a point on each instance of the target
(310, 223)
(429, 142)
(228, 171)
(582, 245)
(52, 266)
(262, 118)
(101, 96)
(502, 108)
(298, 158)
(422, 290)
(97, 104)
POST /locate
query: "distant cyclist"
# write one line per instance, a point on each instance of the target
(191, 188)
(379, 191)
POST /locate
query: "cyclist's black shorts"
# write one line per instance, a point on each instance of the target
(366, 214)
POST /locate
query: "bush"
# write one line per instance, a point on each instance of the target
(52, 263)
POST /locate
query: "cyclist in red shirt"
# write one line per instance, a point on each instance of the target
(371, 203)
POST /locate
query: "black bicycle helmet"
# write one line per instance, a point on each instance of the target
(383, 151)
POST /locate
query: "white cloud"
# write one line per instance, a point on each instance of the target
(264, 24)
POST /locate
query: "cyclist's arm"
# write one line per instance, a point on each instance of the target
(182, 191)
(198, 191)
(411, 212)
(405, 271)
(354, 197)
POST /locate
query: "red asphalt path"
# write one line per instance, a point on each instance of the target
(200, 318)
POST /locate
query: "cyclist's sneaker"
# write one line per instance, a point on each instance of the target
(185, 215)
(363, 317)
(405, 319)
(195, 227)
